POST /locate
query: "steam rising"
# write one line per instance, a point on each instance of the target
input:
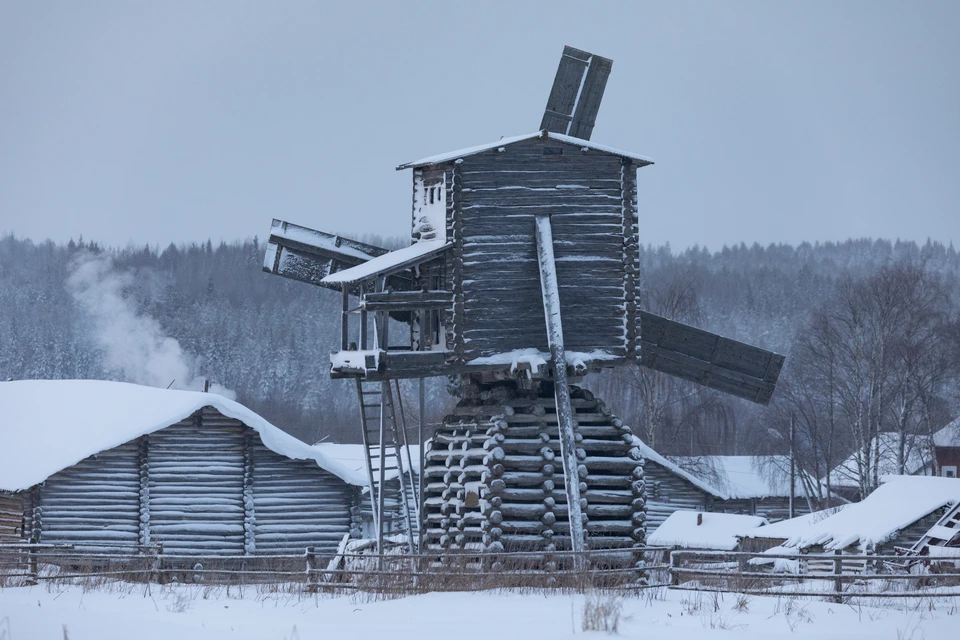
(134, 345)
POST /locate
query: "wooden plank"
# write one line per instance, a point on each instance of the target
(406, 300)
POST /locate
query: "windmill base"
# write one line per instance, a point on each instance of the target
(495, 482)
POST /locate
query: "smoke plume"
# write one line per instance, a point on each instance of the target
(134, 345)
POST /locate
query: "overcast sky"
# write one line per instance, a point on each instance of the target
(159, 122)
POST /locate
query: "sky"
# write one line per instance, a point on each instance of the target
(159, 122)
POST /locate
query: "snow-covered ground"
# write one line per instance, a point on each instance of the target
(194, 613)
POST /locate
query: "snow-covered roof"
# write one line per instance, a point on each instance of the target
(49, 425)
(714, 530)
(650, 454)
(918, 450)
(503, 142)
(389, 262)
(740, 477)
(897, 503)
(949, 436)
(351, 456)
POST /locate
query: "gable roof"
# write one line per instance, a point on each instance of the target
(672, 467)
(949, 436)
(743, 477)
(504, 142)
(49, 425)
(847, 474)
(896, 504)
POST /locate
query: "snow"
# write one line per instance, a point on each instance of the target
(743, 477)
(786, 529)
(713, 531)
(389, 262)
(897, 503)
(312, 238)
(49, 425)
(918, 453)
(355, 360)
(504, 142)
(351, 456)
(650, 454)
(949, 436)
(198, 612)
(518, 356)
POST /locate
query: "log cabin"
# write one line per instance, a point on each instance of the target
(110, 465)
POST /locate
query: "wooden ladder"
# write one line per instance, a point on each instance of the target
(384, 446)
(940, 534)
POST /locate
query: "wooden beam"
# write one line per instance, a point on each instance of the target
(551, 309)
(406, 300)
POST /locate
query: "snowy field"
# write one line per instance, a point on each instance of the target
(194, 613)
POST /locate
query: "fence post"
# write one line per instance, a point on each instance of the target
(311, 567)
(838, 575)
(158, 564)
(32, 573)
(674, 575)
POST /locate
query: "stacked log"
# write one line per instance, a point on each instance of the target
(503, 445)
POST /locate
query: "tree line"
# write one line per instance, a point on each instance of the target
(869, 328)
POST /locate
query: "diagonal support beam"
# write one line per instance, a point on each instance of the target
(561, 390)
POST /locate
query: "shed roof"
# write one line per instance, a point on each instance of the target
(49, 425)
(896, 504)
(696, 530)
(503, 142)
(389, 263)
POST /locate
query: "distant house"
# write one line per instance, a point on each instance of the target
(745, 485)
(753, 485)
(116, 466)
(670, 488)
(946, 450)
(917, 457)
(897, 514)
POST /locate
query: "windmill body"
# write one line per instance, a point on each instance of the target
(522, 276)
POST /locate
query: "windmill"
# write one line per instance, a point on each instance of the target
(521, 278)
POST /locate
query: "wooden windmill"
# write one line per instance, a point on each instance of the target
(522, 275)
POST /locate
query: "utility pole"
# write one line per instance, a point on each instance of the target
(793, 466)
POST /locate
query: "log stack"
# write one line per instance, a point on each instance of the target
(494, 481)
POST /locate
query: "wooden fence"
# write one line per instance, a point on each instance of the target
(837, 576)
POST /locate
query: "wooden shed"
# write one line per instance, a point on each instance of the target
(113, 465)
(897, 514)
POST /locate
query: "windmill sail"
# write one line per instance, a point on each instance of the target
(308, 255)
(716, 362)
(576, 94)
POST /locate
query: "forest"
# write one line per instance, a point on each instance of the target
(870, 329)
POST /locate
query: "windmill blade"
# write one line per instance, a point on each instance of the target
(716, 362)
(576, 94)
(309, 256)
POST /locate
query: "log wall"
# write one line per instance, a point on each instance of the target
(591, 198)
(667, 492)
(494, 479)
(12, 511)
(204, 485)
